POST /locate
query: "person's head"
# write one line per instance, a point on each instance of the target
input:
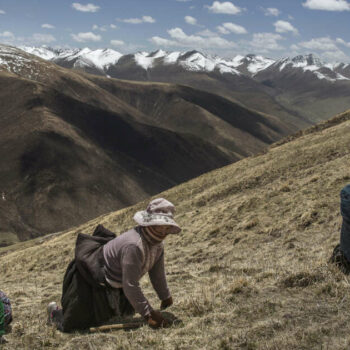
(158, 219)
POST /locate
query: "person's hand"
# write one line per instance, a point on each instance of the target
(156, 320)
(166, 303)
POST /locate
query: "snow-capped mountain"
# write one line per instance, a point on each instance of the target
(23, 64)
(309, 63)
(101, 60)
(299, 90)
(251, 64)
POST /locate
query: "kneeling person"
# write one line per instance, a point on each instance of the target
(341, 253)
(121, 261)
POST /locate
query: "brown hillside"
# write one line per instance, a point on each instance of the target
(303, 93)
(182, 109)
(71, 149)
(249, 270)
(248, 92)
(64, 161)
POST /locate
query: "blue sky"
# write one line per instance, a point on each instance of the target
(273, 28)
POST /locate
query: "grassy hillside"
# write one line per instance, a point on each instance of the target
(249, 270)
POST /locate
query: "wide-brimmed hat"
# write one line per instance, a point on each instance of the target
(158, 212)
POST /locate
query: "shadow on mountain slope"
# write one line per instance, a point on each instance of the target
(72, 148)
(65, 161)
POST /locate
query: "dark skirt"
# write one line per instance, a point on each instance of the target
(87, 299)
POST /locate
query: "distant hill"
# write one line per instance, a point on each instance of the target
(249, 270)
(75, 146)
(301, 90)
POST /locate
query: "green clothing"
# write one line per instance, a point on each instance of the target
(2, 319)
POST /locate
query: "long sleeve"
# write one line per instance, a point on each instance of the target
(158, 278)
(131, 267)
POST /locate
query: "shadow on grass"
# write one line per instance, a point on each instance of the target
(130, 324)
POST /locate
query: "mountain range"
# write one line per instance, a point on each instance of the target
(301, 90)
(251, 65)
(74, 145)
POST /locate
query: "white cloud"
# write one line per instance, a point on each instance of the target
(43, 38)
(223, 30)
(132, 20)
(266, 42)
(85, 8)
(342, 42)
(83, 37)
(47, 26)
(227, 28)
(2, 12)
(327, 5)
(157, 40)
(226, 7)
(180, 39)
(190, 20)
(117, 42)
(321, 44)
(335, 56)
(143, 19)
(100, 28)
(207, 33)
(113, 26)
(271, 11)
(183, 0)
(148, 19)
(285, 27)
(179, 34)
(7, 34)
(327, 48)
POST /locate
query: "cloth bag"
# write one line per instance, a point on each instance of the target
(87, 299)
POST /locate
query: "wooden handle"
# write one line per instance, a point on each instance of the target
(110, 327)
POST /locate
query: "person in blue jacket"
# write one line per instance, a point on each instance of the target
(341, 253)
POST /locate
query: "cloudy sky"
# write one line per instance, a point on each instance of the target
(274, 28)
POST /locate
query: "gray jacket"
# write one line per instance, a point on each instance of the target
(127, 258)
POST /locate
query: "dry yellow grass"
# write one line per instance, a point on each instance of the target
(249, 271)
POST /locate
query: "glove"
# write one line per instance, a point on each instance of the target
(156, 320)
(166, 303)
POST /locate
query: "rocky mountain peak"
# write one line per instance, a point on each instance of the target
(101, 60)
(308, 60)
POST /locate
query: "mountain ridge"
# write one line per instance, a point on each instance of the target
(294, 89)
(249, 64)
(76, 145)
